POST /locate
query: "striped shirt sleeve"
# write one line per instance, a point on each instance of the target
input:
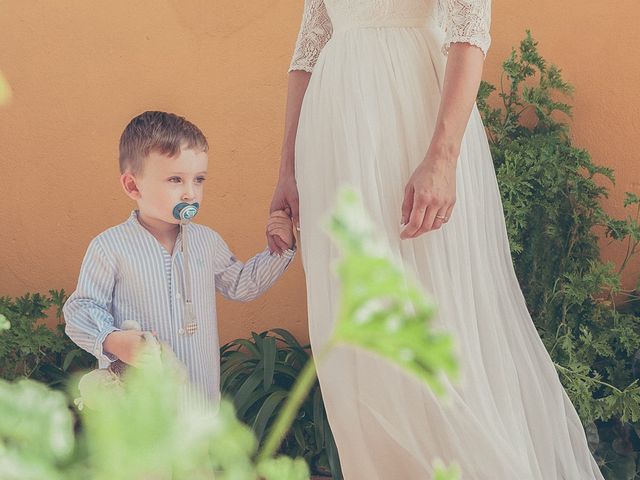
(87, 311)
(245, 281)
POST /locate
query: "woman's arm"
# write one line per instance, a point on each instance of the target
(315, 32)
(297, 86)
(431, 190)
(430, 193)
(461, 82)
(285, 196)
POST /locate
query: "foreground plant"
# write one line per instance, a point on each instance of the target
(148, 430)
(258, 374)
(381, 311)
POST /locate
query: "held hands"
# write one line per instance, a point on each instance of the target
(285, 198)
(429, 196)
(280, 231)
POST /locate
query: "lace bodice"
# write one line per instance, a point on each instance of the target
(462, 20)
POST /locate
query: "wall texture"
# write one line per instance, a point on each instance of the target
(79, 70)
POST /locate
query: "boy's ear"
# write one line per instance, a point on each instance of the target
(130, 185)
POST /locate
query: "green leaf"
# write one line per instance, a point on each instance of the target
(265, 414)
(269, 351)
(287, 337)
(69, 357)
(246, 394)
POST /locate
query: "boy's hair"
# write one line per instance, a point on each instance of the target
(161, 132)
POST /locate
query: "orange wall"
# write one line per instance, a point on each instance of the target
(80, 70)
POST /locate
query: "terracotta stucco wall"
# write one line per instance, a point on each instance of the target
(79, 70)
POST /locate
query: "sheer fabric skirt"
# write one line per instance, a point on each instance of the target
(367, 119)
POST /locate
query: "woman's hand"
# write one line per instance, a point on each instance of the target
(430, 195)
(285, 198)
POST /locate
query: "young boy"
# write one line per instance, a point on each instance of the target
(163, 275)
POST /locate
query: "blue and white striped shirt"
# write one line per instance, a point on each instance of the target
(127, 274)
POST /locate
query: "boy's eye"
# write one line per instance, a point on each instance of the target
(200, 179)
(175, 179)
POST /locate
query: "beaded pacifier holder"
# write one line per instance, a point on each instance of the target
(185, 212)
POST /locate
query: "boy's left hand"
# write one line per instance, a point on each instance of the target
(280, 229)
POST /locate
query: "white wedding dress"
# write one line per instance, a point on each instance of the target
(367, 118)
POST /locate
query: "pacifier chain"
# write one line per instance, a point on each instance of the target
(185, 212)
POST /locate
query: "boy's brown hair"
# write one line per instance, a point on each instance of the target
(161, 132)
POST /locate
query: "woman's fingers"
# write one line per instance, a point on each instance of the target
(429, 222)
(439, 219)
(424, 216)
(279, 224)
(279, 214)
(416, 217)
(295, 211)
(448, 213)
(407, 205)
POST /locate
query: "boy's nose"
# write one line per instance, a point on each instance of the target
(187, 196)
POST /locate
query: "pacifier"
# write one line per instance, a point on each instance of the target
(185, 211)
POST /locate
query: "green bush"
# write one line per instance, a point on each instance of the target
(30, 349)
(258, 375)
(552, 204)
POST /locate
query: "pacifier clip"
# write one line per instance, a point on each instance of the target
(185, 212)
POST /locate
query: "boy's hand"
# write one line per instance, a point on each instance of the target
(280, 230)
(124, 344)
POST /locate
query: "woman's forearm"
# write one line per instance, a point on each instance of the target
(461, 83)
(297, 86)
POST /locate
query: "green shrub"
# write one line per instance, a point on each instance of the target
(30, 349)
(552, 205)
(258, 375)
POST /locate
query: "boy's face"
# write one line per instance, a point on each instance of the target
(167, 181)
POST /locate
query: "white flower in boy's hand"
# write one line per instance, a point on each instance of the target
(280, 230)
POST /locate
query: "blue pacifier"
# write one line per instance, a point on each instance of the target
(185, 211)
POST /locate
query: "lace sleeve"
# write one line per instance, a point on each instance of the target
(466, 21)
(315, 32)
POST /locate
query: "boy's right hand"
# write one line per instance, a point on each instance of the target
(124, 344)
(280, 229)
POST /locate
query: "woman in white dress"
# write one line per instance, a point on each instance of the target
(390, 109)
